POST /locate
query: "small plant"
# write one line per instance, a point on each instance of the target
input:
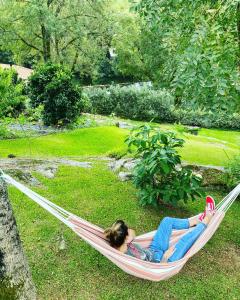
(233, 172)
(157, 175)
(5, 133)
(117, 153)
(12, 100)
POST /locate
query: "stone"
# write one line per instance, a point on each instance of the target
(192, 129)
(117, 164)
(47, 171)
(130, 164)
(203, 167)
(24, 176)
(124, 176)
(74, 163)
(124, 125)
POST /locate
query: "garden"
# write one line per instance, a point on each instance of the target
(131, 111)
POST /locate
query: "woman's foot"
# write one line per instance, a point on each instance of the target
(208, 217)
(210, 207)
(210, 203)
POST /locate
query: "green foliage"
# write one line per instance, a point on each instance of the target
(132, 102)
(5, 56)
(75, 33)
(100, 101)
(193, 49)
(157, 174)
(233, 172)
(53, 86)
(117, 153)
(5, 133)
(207, 119)
(12, 100)
(34, 114)
(127, 44)
(148, 104)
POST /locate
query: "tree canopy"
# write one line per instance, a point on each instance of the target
(190, 47)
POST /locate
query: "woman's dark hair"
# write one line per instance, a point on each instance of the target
(117, 233)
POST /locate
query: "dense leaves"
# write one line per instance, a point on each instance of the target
(54, 87)
(133, 102)
(158, 174)
(233, 172)
(192, 48)
(156, 105)
(12, 100)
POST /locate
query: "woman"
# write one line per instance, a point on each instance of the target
(121, 237)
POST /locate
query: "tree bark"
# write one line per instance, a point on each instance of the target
(15, 277)
(46, 39)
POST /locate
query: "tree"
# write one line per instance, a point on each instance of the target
(192, 48)
(127, 44)
(15, 277)
(53, 30)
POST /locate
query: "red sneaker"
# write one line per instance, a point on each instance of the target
(210, 203)
(210, 206)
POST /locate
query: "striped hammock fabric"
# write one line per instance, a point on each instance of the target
(93, 235)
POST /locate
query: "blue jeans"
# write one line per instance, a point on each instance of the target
(160, 242)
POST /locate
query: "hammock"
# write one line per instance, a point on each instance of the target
(94, 236)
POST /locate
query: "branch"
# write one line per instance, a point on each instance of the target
(78, 15)
(59, 8)
(69, 43)
(27, 43)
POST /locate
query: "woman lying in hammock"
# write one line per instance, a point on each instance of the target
(121, 237)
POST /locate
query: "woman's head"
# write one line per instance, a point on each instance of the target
(117, 233)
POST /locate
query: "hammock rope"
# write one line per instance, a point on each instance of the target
(94, 236)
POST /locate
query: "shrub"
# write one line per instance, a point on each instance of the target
(53, 86)
(233, 172)
(5, 133)
(12, 100)
(157, 175)
(101, 101)
(207, 119)
(131, 102)
(147, 104)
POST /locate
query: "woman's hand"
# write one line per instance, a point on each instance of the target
(168, 254)
(131, 235)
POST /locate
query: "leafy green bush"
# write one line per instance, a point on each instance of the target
(207, 119)
(147, 104)
(12, 100)
(53, 86)
(131, 102)
(157, 175)
(5, 133)
(101, 101)
(233, 172)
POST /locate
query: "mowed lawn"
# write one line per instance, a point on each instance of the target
(214, 147)
(80, 272)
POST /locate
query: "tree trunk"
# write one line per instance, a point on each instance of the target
(46, 40)
(15, 277)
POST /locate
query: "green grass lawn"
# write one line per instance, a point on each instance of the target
(80, 272)
(213, 147)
